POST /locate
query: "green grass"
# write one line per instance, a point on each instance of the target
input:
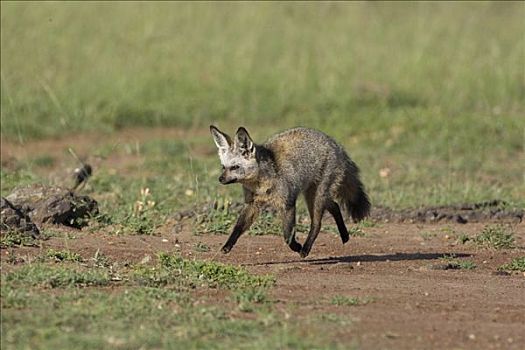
(454, 263)
(59, 276)
(201, 247)
(317, 63)
(216, 274)
(495, 236)
(11, 238)
(517, 264)
(62, 255)
(249, 292)
(141, 317)
(342, 300)
(492, 236)
(43, 307)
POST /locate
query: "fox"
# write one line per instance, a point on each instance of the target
(274, 174)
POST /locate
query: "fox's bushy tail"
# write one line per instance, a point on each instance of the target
(359, 206)
(352, 193)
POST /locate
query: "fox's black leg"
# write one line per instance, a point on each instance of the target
(316, 215)
(315, 227)
(289, 228)
(248, 215)
(333, 208)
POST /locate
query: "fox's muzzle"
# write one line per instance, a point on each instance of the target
(223, 180)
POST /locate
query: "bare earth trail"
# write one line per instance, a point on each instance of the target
(412, 301)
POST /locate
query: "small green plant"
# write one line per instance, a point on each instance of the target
(463, 238)
(367, 223)
(15, 239)
(342, 300)
(356, 231)
(62, 255)
(467, 265)
(141, 220)
(201, 247)
(453, 263)
(517, 264)
(495, 237)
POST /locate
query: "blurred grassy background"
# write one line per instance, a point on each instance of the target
(432, 92)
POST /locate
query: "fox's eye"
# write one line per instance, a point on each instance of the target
(234, 167)
(222, 167)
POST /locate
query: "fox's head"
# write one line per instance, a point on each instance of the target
(238, 160)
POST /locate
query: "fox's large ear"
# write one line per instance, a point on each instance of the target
(244, 142)
(222, 140)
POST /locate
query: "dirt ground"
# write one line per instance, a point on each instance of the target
(414, 301)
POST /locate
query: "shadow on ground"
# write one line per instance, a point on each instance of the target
(367, 258)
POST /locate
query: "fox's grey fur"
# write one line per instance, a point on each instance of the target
(295, 161)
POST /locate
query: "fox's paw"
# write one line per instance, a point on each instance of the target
(226, 249)
(303, 253)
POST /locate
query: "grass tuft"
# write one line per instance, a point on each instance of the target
(42, 275)
(215, 274)
(517, 264)
(62, 255)
(453, 263)
(15, 239)
(497, 237)
(342, 300)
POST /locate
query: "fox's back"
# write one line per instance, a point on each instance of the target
(303, 154)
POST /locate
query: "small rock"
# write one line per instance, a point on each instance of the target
(501, 273)
(13, 219)
(55, 205)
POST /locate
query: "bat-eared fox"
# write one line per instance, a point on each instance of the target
(295, 161)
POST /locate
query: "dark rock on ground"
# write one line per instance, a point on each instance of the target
(55, 205)
(13, 219)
